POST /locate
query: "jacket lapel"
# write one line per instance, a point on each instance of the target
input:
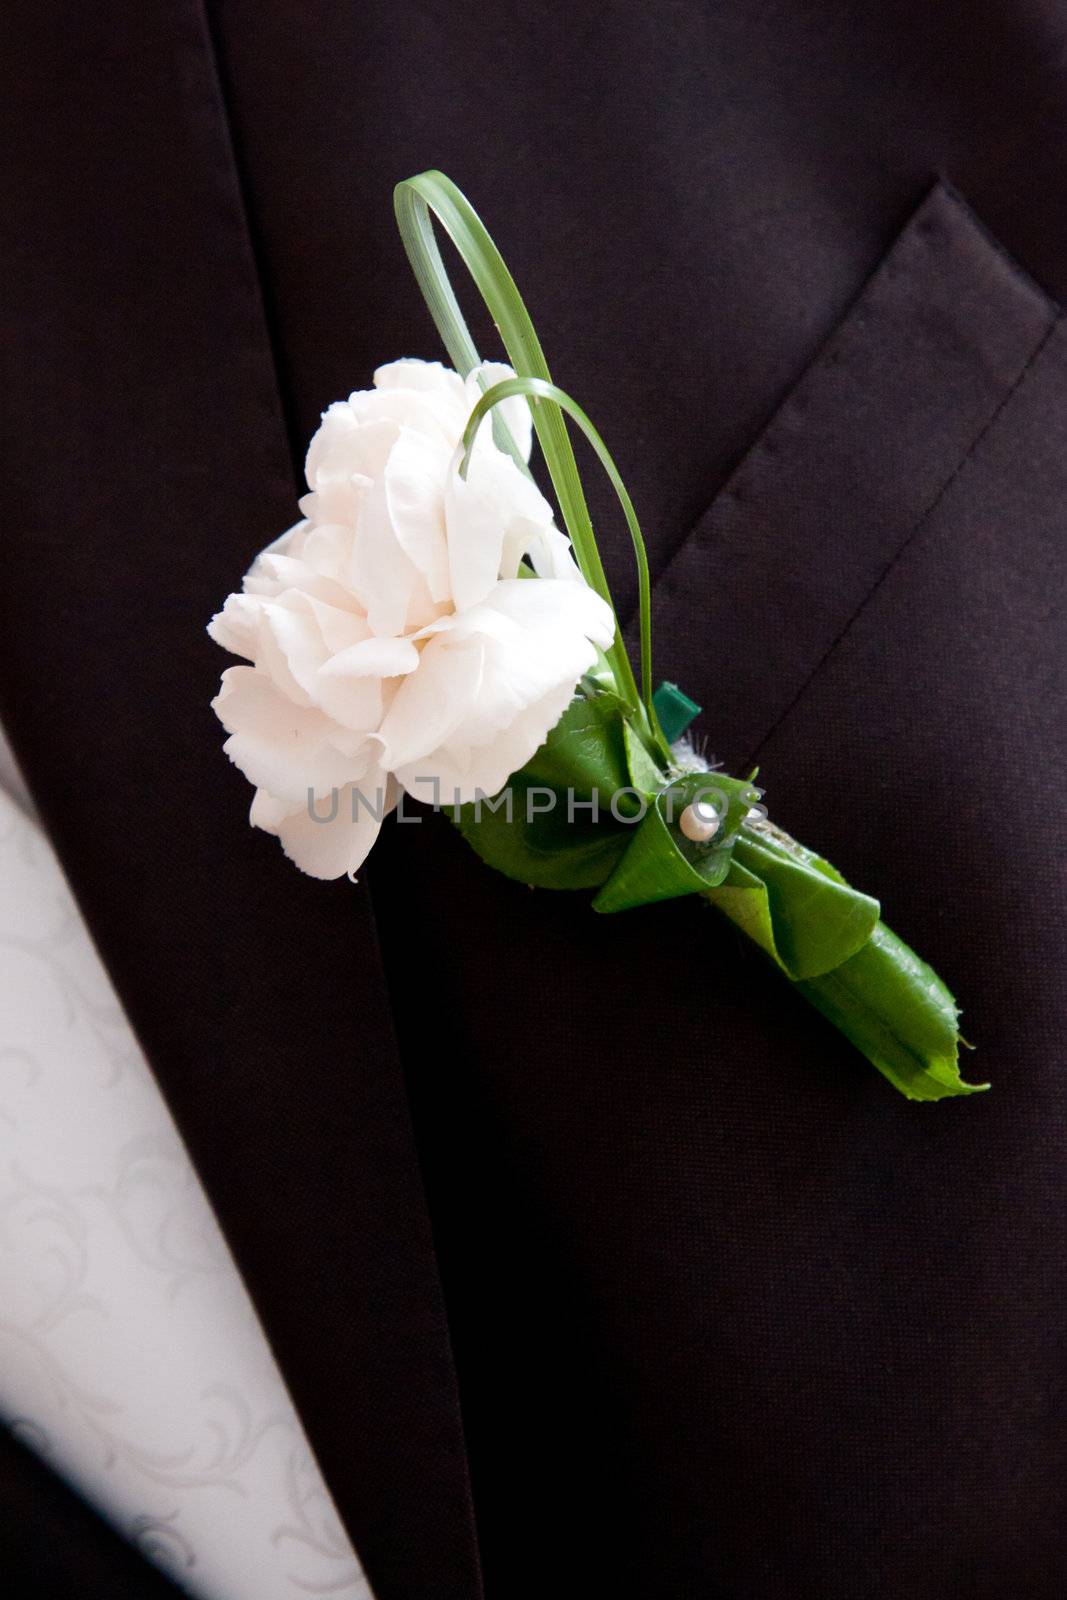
(150, 463)
(854, 462)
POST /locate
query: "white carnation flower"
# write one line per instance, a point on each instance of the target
(391, 640)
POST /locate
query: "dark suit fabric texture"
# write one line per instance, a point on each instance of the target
(597, 1263)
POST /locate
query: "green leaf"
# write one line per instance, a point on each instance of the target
(561, 845)
(645, 772)
(744, 899)
(897, 1011)
(588, 748)
(816, 919)
(660, 862)
(827, 938)
(793, 904)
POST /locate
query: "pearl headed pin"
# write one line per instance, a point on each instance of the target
(699, 821)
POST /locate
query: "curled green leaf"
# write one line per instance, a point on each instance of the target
(897, 1011)
(795, 906)
(660, 863)
(829, 940)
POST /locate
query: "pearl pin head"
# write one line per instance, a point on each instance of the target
(699, 821)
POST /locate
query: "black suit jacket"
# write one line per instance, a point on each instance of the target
(596, 1262)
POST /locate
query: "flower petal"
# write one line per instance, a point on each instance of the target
(374, 657)
(555, 603)
(551, 555)
(516, 412)
(431, 701)
(415, 477)
(235, 627)
(384, 576)
(479, 512)
(465, 772)
(352, 685)
(335, 836)
(410, 373)
(344, 458)
(281, 747)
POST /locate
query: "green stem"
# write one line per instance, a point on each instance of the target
(535, 390)
(417, 201)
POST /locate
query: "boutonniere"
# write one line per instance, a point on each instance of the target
(427, 629)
